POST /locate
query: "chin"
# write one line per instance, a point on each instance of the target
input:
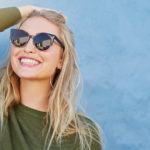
(27, 76)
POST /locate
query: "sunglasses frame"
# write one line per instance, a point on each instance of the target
(52, 37)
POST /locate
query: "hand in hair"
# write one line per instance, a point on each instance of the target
(26, 10)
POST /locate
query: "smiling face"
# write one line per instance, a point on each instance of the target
(29, 62)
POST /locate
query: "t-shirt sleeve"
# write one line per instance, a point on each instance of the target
(97, 142)
(8, 17)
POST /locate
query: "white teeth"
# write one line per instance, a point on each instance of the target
(29, 61)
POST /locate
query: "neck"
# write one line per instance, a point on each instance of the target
(35, 93)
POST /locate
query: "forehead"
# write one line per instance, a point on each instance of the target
(36, 25)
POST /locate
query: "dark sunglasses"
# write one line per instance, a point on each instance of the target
(42, 41)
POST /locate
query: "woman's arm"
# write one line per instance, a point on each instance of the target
(8, 17)
(11, 15)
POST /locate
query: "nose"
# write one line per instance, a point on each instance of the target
(29, 47)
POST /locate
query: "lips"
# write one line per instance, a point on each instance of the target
(28, 61)
(24, 57)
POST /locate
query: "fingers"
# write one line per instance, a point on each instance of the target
(26, 10)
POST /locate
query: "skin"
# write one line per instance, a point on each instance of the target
(35, 80)
(25, 10)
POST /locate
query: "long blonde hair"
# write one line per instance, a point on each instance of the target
(62, 112)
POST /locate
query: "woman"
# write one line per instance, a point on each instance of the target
(40, 85)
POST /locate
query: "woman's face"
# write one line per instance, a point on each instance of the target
(45, 62)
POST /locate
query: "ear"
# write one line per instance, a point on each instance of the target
(60, 64)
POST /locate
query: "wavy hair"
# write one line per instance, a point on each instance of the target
(65, 119)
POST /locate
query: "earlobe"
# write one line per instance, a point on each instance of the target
(59, 67)
(60, 64)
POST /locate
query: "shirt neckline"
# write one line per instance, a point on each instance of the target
(23, 109)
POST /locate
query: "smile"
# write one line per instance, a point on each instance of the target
(29, 62)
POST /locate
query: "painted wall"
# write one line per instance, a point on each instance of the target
(113, 45)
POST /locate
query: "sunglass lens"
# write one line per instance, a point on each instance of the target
(18, 37)
(42, 41)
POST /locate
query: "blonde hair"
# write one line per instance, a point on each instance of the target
(62, 112)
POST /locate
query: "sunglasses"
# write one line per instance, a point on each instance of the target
(42, 41)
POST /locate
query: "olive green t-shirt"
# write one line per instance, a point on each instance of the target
(23, 131)
(8, 17)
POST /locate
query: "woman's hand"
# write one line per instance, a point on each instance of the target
(26, 10)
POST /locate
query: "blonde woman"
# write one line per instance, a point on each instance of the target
(40, 85)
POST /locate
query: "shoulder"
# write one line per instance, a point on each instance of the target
(95, 131)
(89, 121)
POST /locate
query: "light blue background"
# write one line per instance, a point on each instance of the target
(113, 45)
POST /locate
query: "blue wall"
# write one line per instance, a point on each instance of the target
(113, 45)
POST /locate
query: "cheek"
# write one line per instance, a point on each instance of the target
(51, 60)
(13, 57)
(14, 52)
